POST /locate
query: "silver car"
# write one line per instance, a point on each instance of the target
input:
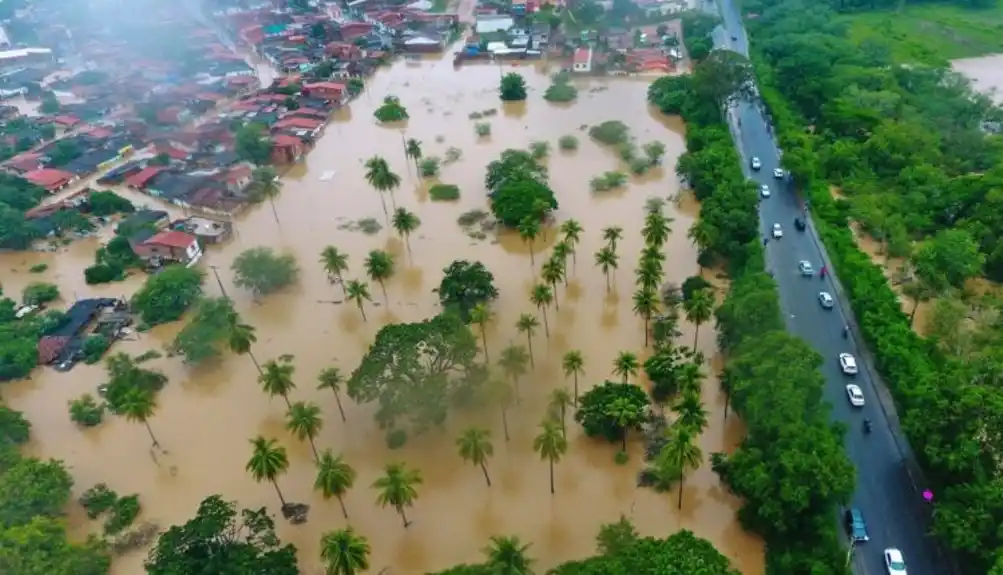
(825, 300)
(805, 267)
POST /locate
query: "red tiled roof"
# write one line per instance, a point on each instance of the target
(140, 178)
(286, 140)
(325, 86)
(49, 178)
(25, 161)
(301, 123)
(582, 55)
(50, 346)
(67, 121)
(172, 152)
(171, 238)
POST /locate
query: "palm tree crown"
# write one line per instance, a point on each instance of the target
(334, 478)
(405, 222)
(529, 229)
(277, 377)
(507, 556)
(412, 148)
(527, 323)
(344, 552)
(475, 446)
(645, 306)
(542, 297)
(268, 461)
(381, 178)
(265, 184)
(574, 365)
(607, 260)
(691, 412)
(359, 293)
(304, 421)
(398, 488)
(551, 445)
(335, 264)
(380, 267)
(626, 365)
(331, 378)
(572, 231)
(612, 235)
(139, 404)
(699, 308)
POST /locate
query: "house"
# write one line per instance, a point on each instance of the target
(149, 219)
(333, 91)
(170, 246)
(424, 44)
(51, 179)
(139, 180)
(65, 122)
(67, 340)
(494, 23)
(582, 61)
(286, 149)
(237, 178)
(23, 162)
(540, 35)
(207, 230)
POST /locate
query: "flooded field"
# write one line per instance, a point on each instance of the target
(985, 72)
(207, 415)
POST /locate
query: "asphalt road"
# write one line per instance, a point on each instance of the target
(886, 495)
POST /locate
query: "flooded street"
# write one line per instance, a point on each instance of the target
(207, 416)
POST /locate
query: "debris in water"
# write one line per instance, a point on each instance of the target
(327, 176)
(471, 217)
(453, 154)
(368, 226)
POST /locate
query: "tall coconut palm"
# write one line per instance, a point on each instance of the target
(529, 230)
(513, 364)
(690, 377)
(560, 401)
(475, 446)
(268, 461)
(335, 264)
(139, 404)
(277, 377)
(690, 412)
(405, 222)
(266, 185)
(699, 308)
(612, 235)
(572, 231)
(679, 456)
(500, 392)
(334, 478)
(380, 267)
(645, 306)
(626, 365)
(331, 378)
(607, 260)
(527, 324)
(551, 273)
(382, 179)
(240, 338)
(551, 445)
(656, 228)
(358, 292)
(542, 297)
(507, 556)
(574, 365)
(648, 275)
(562, 251)
(398, 488)
(481, 315)
(344, 552)
(412, 149)
(625, 415)
(304, 421)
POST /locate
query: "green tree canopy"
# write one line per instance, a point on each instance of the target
(263, 271)
(167, 295)
(595, 412)
(464, 285)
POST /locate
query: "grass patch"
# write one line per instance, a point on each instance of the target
(608, 181)
(567, 143)
(38, 268)
(444, 193)
(482, 129)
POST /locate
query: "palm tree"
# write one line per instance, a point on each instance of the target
(277, 377)
(551, 273)
(551, 445)
(331, 378)
(382, 179)
(304, 421)
(574, 365)
(266, 184)
(513, 363)
(626, 365)
(501, 392)
(139, 404)
(560, 401)
(625, 414)
(507, 556)
(398, 488)
(656, 228)
(680, 455)
(648, 274)
(562, 250)
(527, 324)
(572, 231)
(475, 446)
(405, 223)
(380, 267)
(412, 150)
(481, 315)
(268, 461)
(529, 230)
(612, 235)
(645, 305)
(334, 478)
(542, 297)
(690, 412)
(699, 308)
(607, 260)
(344, 552)
(240, 338)
(335, 264)
(358, 292)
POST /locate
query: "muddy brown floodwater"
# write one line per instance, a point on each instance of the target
(207, 415)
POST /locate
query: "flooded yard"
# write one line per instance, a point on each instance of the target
(207, 415)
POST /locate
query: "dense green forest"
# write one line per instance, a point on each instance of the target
(914, 153)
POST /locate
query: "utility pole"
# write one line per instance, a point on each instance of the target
(215, 272)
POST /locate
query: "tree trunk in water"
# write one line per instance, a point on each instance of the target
(316, 456)
(254, 360)
(696, 334)
(341, 410)
(407, 244)
(576, 388)
(912, 314)
(363, 312)
(404, 517)
(564, 430)
(532, 257)
(343, 510)
(484, 338)
(529, 338)
(386, 214)
(274, 212)
(279, 491)
(552, 491)
(679, 505)
(607, 282)
(505, 423)
(487, 478)
(557, 304)
(386, 299)
(150, 430)
(546, 324)
(624, 440)
(286, 397)
(727, 400)
(344, 291)
(645, 331)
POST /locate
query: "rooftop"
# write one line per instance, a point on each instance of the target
(171, 238)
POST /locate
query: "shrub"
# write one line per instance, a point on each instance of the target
(513, 87)
(391, 111)
(610, 132)
(539, 149)
(429, 167)
(38, 268)
(105, 203)
(444, 192)
(103, 273)
(568, 143)
(94, 347)
(263, 271)
(97, 500)
(122, 514)
(167, 295)
(608, 181)
(396, 439)
(621, 458)
(86, 411)
(562, 92)
(518, 199)
(482, 129)
(39, 293)
(639, 166)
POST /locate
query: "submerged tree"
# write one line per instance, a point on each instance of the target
(335, 264)
(481, 315)
(391, 111)
(268, 461)
(382, 179)
(507, 556)
(344, 552)
(513, 87)
(359, 293)
(513, 363)
(263, 271)
(380, 266)
(626, 365)
(527, 323)
(572, 231)
(574, 365)
(542, 297)
(277, 377)
(412, 149)
(334, 478)
(331, 378)
(607, 260)
(405, 222)
(139, 405)
(475, 446)
(550, 444)
(699, 308)
(398, 488)
(304, 421)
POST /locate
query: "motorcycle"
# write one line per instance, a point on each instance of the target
(867, 426)
(846, 332)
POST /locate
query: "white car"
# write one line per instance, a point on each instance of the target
(848, 364)
(778, 173)
(825, 299)
(855, 395)
(764, 191)
(756, 164)
(805, 267)
(777, 232)
(894, 562)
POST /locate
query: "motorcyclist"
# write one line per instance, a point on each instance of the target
(867, 426)
(846, 331)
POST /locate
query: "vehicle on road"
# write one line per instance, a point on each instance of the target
(778, 173)
(825, 299)
(764, 191)
(848, 364)
(734, 38)
(777, 231)
(755, 163)
(855, 526)
(855, 395)
(805, 267)
(894, 562)
(799, 224)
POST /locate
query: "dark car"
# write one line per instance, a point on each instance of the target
(855, 525)
(799, 224)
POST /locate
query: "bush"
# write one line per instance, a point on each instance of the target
(608, 181)
(86, 412)
(94, 347)
(567, 143)
(482, 129)
(560, 92)
(103, 273)
(429, 167)
(391, 111)
(513, 87)
(39, 293)
(694, 284)
(38, 268)
(168, 294)
(122, 514)
(444, 192)
(621, 458)
(97, 500)
(594, 409)
(539, 149)
(105, 203)
(263, 271)
(610, 132)
(518, 199)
